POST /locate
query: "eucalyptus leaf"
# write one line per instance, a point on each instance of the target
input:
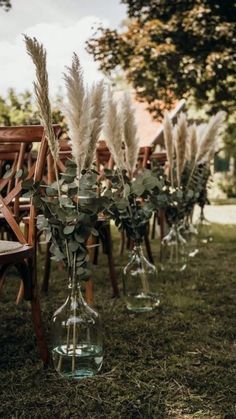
(68, 229)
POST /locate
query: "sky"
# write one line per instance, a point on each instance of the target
(62, 26)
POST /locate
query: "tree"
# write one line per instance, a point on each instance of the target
(169, 50)
(6, 4)
(20, 109)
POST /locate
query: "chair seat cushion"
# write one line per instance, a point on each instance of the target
(9, 246)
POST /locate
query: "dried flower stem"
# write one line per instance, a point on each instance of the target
(113, 130)
(168, 138)
(130, 134)
(38, 55)
(181, 138)
(209, 136)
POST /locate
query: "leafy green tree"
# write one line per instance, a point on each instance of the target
(169, 50)
(20, 109)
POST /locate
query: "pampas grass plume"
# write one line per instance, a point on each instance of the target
(97, 115)
(209, 136)
(130, 133)
(181, 134)
(79, 113)
(113, 130)
(39, 57)
(169, 142)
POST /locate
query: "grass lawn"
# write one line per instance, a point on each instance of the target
(177, 362)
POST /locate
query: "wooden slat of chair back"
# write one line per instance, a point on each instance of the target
(104, 159)
(24, 136)
(144, 157)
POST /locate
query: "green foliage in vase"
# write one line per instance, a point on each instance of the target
(127, 200)
(177, 202)
(190, 150)
(69, 219)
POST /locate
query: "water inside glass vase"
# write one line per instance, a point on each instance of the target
(140, 283)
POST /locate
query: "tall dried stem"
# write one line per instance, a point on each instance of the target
(113, 130)
(208, 139)
(97, 115)
(130, 133)
(168, 139)
(78, 113)
(181, 134)
(39, 57)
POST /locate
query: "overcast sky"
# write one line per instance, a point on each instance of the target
(62, 26)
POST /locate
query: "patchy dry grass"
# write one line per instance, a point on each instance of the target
(177, 362)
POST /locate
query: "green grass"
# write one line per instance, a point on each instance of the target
(177, 362)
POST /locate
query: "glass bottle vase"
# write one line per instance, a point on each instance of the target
(204, 229)
(173, 252)
(140, 283)
(76, 337)
(190, 234)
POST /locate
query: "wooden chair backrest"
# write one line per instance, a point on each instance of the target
(18, 140)
(158, 158)
(144, 158)
(104, 158)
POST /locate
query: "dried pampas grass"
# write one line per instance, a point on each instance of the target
(130, 133)
(169, 143)
(39, 57)
(79, 113)
(181, 134)
(208, 137)
(97, 94)
(193, 144)
(113, 130)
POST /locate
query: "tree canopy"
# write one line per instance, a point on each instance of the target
(169, 50)
(20, 109)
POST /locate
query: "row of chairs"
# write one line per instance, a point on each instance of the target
(27, 146)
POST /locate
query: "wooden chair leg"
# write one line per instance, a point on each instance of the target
(47, 269)
(3, 270)
(41, 342)
(154, 221)
(162, 223)
(20, 294)
(96, 252)
(122, 243)
(25, 289)
(111, 264)
(89, 292)
(36, 317)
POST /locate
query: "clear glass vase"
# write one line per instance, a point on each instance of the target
(189, 232)
(76, 337)
(140, 283)
(173, 254)
(203, 227)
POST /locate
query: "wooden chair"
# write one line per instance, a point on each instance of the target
(21, 250)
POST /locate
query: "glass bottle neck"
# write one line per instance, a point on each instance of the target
(74, 289)
(137, 249)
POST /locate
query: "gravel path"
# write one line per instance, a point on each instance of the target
(223, 214)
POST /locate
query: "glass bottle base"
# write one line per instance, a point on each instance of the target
(85, 361)
(142, 302)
